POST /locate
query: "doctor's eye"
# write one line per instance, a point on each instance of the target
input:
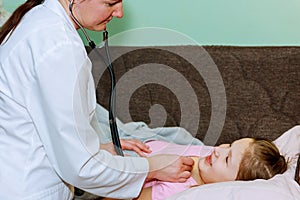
(112, 3)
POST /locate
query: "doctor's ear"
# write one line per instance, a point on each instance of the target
(73, 3)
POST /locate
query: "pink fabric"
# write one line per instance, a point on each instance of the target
(162, 190)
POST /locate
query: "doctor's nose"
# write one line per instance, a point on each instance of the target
(118, 12)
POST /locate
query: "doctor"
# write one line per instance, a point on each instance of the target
(48, 139)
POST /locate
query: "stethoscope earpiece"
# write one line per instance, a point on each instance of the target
(91, 43)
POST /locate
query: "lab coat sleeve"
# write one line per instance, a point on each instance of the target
(62, 106)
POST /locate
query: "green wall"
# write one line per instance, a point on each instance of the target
(207, 22)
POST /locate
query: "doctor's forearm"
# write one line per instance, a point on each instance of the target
(171, 168)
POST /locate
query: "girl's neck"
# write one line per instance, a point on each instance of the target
(195, 171)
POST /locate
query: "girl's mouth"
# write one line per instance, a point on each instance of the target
(208, 160)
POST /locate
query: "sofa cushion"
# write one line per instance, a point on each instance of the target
(261, 86)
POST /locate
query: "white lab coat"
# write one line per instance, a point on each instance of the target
(47, 123)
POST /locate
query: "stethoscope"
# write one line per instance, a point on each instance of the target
(112, 97)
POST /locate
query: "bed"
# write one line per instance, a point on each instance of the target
(218, 94)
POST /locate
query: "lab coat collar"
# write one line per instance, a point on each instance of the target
(56, 7)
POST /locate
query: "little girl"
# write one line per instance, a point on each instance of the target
(244, 159)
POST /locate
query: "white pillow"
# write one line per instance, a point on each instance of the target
(289, 146)
(280, 187)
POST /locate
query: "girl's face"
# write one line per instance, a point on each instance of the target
(223, 164)
(95, 14)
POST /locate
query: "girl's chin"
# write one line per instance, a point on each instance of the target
(202, 164)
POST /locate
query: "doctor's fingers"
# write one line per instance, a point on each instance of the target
(185, 166)
(135, 145)
(183, 173)
(139, 144)
(187, 161)
(184, 176)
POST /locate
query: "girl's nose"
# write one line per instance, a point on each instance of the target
(216, 152)
(219, 151)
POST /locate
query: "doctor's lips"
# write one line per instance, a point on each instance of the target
(108, 20)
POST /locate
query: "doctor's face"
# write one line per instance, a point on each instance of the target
(223, 164)
(95, 14)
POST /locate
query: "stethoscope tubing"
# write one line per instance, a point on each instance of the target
(112, 97)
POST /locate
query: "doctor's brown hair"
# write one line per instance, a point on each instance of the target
(261, 160)
(16, 17)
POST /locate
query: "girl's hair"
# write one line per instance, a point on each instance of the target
(16, 17)
(262, 160)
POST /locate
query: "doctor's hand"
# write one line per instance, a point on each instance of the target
(171, 168)
(128, 144)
